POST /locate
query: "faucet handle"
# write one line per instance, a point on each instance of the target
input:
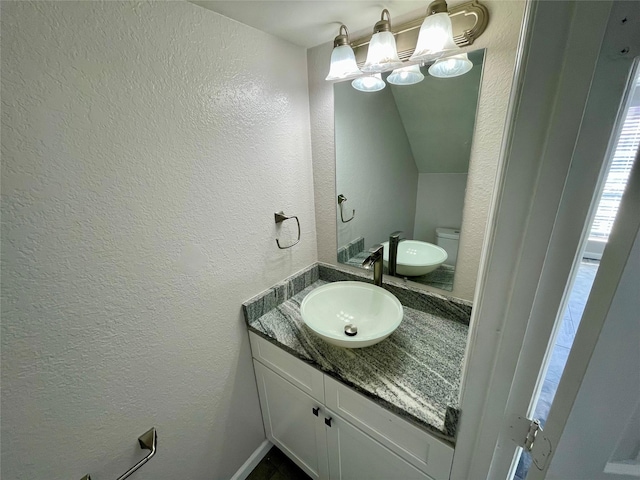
(396, 234)
(376, 250)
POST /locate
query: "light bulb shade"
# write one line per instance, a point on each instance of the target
(370, 83)
(406, 75)
(435, 38)
(343, 63)
(382, 54)
(451, 67)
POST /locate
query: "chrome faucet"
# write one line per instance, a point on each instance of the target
(394, 240)
(375, 259)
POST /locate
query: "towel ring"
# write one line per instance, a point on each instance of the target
(281, 217)
(341, 200)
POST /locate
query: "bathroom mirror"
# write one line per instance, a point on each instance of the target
(402, 159)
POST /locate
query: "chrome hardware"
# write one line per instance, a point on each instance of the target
(315, 410)
(350, 330)
(341, 200)
(530, 436)
(469, 21)
(327, 421)
(394, 240)
(375, 259)
(147, 441)
(281, 217)
(534, 428)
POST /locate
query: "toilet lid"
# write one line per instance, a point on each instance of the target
(452, 233)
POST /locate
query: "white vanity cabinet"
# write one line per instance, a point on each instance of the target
(290, 420)
(333, 432)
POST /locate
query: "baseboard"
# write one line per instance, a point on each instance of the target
(251, 463)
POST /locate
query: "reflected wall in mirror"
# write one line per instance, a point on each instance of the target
(402, 159)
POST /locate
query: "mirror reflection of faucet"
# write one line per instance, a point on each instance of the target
(341, 200)
(375, 259)
(394, 240)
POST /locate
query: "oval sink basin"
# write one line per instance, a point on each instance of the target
(416, 258)
(333, 310)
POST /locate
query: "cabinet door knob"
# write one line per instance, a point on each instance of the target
(315, 410)
(327, 421)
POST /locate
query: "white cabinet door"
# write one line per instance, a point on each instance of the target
(353, 455)
(291, 423)
(414, 445)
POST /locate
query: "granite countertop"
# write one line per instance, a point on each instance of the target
(415, 372)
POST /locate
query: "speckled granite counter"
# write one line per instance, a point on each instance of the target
(415, 372)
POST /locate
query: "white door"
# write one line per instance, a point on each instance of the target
(589, 433)
(543, 206)
(293, 421)
(601, 437)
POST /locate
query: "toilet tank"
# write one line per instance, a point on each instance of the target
(448, 238)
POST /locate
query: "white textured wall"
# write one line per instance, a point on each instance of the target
(145, 147)
(376, 173)
(501, 40)
(439, 203)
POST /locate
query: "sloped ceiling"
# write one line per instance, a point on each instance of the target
(439, 115)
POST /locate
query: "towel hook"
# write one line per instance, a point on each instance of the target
(341, 200)
(281, 217)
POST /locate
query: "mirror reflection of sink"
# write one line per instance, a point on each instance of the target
(333, 310)
(416, 258)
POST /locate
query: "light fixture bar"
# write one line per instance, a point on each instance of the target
(469, 21)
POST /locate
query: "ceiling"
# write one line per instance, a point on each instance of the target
(309, 23)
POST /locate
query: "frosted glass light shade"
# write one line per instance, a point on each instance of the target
(435, 37)
(406, 75)
(382, 54)
(451, 67)
(370, 83)
(343, 63)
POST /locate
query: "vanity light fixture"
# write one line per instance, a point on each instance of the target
(382, 54)
(343, 60)
(449, 67)
(369, 83)
(440, 34)
(436, 34)
(406, 75)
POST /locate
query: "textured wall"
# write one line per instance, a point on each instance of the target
(501, 40)
(145, 147)
(375, 169)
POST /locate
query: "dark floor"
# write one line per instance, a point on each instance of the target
(277, 466)
(564, 340)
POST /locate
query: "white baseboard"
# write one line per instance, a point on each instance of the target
(251, 463)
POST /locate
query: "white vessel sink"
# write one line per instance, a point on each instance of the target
(329, 310)
(416, 258)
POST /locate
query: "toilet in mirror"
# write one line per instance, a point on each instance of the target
(402, 160)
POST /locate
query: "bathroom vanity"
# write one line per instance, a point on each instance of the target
(385, 411)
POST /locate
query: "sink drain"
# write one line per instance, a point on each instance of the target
(350, 330)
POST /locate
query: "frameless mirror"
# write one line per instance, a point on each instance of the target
(402, 159)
